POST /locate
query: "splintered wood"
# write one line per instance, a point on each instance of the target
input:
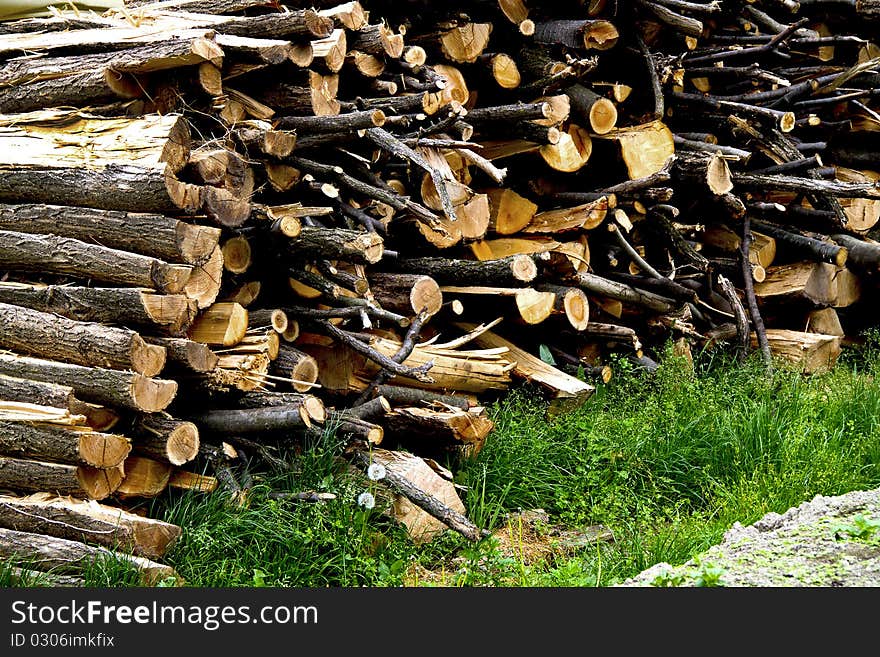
(226, 226)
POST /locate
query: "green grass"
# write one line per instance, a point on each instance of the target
(667, 462)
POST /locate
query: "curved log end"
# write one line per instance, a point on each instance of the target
(103, 450)
(152, 395)
(183, 443)
(100, 483)
(147, 359)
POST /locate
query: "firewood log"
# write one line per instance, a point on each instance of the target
(45, 335)
(59, 478)
(77, 520)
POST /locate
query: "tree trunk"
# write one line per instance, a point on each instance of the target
(66, 556)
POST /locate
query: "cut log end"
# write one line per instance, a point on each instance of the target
(603, 116)
(147, 359)
(577, 308)
(152, 395)
(523, 268)
(99, 483)
(102, 450)
(183, 443)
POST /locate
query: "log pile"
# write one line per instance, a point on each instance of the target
(229, 223)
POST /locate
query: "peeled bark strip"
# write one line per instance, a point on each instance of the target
(89, 522)
(45, 335)
(158, 236)
(66, 556)
(57, 157)
(137, 308)
(62, 255)
(165, 438)
(60, 444)
(101, 386)
(59, 478)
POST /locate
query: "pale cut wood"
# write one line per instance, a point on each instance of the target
(300, 368)
(65, 556)
(815, 282)
(408, 294)
(223, 324)
(582, 217)
(59, 478)
(533, 306)
(127, 164)
(420, 525)
(89, 522)
(569, 392)
(144, 477)
(508, 211)
(571, 152)
(762, 250)
(165, 438)
(187, 354)
(193, 481)
(464, 44)
(454, 370)
(825, 321)
(645, 148)
(810, 353)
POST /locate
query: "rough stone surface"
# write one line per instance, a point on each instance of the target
(826, 542)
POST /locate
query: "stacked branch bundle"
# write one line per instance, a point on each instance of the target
(229, 224)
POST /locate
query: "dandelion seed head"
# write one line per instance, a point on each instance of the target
(376, 471)
(367, 500)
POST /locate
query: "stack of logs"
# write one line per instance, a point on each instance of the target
(229, 223)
